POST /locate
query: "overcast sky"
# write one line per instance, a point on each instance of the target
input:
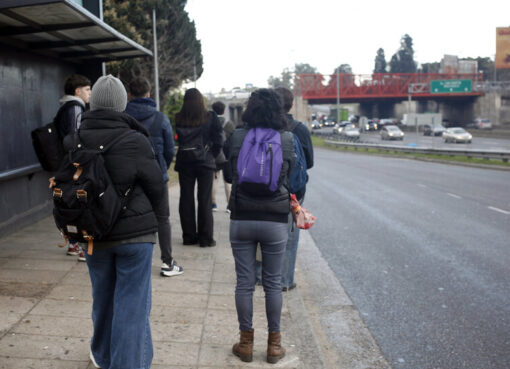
(246, 41)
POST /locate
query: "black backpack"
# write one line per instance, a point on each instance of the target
(86, 203)
(47, 142)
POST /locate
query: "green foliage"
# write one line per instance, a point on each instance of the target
(284, 81)
(178, 48)
(304, 68)
(380, 62)
(403, 60)
(173, 106)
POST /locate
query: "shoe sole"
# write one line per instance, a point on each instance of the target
(246, 359)
(170, 274)
(274, 359)
(82, 259)
(71, 253)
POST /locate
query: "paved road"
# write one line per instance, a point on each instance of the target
(423, 250)
(479, 143)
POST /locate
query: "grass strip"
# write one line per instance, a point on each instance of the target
(320, 142)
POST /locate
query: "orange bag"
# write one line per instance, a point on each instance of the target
(302, 217)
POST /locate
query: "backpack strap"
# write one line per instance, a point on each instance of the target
(293, 124)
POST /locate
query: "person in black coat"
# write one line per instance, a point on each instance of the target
(120, 265)
(200, 141)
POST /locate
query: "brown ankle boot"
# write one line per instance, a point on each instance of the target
(244, 348)
(275, 351)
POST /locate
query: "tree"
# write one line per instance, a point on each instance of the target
(304, 68)
(284, 81)
(403, 60)
(345, 80)
(179, 51)
(380, 62)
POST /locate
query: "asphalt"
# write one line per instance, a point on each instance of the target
(45, 307)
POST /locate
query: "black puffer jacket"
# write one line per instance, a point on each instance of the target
(131, 164)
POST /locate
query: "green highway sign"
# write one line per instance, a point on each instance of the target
(446, 86)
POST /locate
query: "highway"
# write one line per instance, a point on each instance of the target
(479, 143)
(423, 250)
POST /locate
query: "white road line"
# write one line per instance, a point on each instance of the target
(453, 195)
(422, 185)
(499, 210)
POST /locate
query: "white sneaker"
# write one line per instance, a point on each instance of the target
(171, 270)
(93, 360)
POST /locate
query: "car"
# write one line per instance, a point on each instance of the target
(456, 135)
(483, 124)
(316, 124)
(338, 128)
(350, 132)
(391, 133)
(329, 123)
(371, 125)
(436, 130)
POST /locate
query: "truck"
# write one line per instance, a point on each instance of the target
(416, 119)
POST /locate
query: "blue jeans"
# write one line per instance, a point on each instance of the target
(121, 291)
(244, 237)
(289, 259)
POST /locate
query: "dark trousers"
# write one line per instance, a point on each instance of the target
(164, 230)
(187, 179)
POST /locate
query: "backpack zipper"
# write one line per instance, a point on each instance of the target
(270, 164)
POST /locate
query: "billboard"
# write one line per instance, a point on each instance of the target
(502, 47)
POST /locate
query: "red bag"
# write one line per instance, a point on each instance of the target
(303, 218)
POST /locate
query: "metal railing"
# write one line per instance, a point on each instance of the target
(19, 172)
(480, 154)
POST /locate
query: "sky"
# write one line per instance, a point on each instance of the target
(247, 41)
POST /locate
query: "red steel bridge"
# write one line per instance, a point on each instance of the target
(380, 87)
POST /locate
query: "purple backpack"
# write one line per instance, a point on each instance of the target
(260, 161)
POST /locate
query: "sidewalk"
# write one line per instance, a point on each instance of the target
(45, 307)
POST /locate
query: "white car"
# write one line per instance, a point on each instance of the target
(350, 132)
(457, 134)
(483, 124)
(391, 133)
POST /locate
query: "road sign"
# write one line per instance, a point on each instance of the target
(446, 86)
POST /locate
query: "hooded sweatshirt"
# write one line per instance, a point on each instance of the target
(69, 114)
(160, 131)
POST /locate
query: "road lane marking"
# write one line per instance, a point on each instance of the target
(499, 210)
(453, 195)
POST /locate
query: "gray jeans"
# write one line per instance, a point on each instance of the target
(244, 237)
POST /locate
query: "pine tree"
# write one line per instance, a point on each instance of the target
(380, 62)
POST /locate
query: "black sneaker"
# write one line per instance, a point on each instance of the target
(291, 287)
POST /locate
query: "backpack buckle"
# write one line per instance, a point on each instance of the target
(57, 192)
(90, 242)
(81, 195)
(79, 171)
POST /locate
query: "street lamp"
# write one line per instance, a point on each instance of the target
(337, 95)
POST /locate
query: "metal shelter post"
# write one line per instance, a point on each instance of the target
(155, 51)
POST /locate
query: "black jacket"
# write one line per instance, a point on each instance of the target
(131, 164)
(211, 136)
(275, 207)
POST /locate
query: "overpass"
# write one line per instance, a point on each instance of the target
(386, 87)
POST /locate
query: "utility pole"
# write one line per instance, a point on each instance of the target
(337, 95)
(155, 56)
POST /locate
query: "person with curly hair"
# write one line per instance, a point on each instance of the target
(260, 218)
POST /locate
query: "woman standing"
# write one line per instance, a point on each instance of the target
(200, 141)
(260, 217)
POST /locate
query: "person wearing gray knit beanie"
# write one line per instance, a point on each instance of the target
(108, 93)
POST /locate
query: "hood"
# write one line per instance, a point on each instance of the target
(97, 119)
(67, 98)
(141, 108)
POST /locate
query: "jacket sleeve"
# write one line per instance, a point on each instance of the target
(68, 120)
(168, 142)
(306, 142)
(149, 174)
(216, 135)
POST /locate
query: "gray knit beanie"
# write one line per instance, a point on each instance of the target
(108, 93)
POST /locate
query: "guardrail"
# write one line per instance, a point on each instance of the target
(481, 154)
(19, 172)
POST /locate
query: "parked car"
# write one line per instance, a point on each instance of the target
(457, 134)
(483, 123)
(338, 128)
(350, 132)
(436, 130)
(391, 133)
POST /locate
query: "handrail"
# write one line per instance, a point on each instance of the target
(19, 172)
(487, 154)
